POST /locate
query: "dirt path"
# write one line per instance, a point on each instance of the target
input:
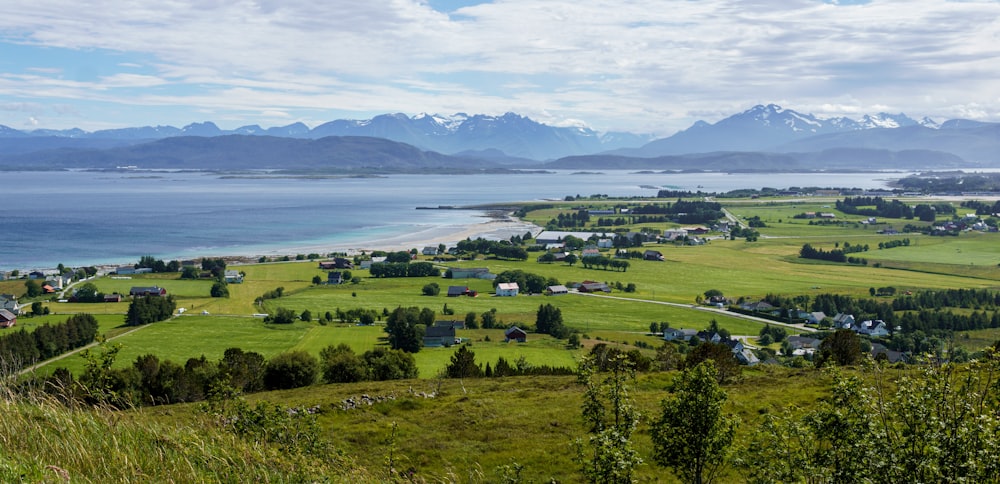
(40, 364)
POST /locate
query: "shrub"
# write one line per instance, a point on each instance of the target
(290, 370)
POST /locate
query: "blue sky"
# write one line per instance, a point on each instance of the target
(650, 66)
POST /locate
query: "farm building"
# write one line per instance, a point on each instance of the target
(439, 336)
(7, 318)
(139, 291)
(469, 273)
(455, 291)
(515, 334)
(507, 289)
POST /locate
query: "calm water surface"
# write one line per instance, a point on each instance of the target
(83, 218)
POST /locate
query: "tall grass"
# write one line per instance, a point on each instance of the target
(46, 440)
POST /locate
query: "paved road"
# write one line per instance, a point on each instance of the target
(723, 312)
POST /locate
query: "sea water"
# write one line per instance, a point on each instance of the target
(85, 218)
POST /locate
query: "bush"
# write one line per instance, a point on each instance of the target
(341, 364)
(386, 364)
(220, 289)
(291, 370)
(432, 289)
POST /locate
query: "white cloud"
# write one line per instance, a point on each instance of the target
(640, 65)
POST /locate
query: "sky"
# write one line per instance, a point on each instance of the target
(645, 66)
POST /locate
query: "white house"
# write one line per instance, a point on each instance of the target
(507, 289)
(233, 277)
(605, 244)
(674, 234)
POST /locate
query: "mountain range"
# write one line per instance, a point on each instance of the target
(763, 137)
(514, 135)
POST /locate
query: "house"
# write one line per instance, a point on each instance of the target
(7, 318)
(827, 215)
(36, 275)
(556, 236)
(139, 291)
(125, 270)
(507, 289)
(803, 344)
(8, 302)
(843, 321)
(515, 334)
(233, 277)
(605, 244)
(696, 230)
(556, 290)
(652, 255)
(367, 263)
(469, 273)
(871, 328)
(59, 281)
(455, 291)
(48, 289)
(591, 287)
(759, 306)
(813, 317)
(335, 277)
(455, 323)
(880, 352)
(439, 336)
(337, 263)
(590, 252)
(734, 344)
(671, 334)
(746, 357)
(429, 251)
(711, 337)
(112, 298)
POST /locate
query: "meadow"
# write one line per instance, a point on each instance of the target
(738, 268)
(475, 430)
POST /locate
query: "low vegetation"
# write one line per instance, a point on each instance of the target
(314, 381)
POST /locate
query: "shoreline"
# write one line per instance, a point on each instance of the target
(493, 229)
(499, 225)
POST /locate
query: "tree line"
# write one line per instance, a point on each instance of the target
(404, 269)
(874, 207)
(834, 255)
(150, 380)
(21, 349)
(150, 309)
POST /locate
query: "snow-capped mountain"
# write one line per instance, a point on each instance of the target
(775, 129)
(760, 128)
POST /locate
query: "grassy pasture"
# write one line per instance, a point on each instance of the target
(737, 268)
(473, 426)
(107, 324)
(193, 336)
(15, 287)
(582, 312)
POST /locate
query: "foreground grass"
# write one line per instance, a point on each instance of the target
(469, 429)
(44, 441)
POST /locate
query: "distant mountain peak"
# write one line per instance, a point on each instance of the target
(886, 120)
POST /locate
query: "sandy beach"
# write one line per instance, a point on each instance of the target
(493, 227)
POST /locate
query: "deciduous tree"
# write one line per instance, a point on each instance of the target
(693, 435)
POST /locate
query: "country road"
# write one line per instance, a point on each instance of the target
(800, 327)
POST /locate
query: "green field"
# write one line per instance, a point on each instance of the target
(738, 268)
(464, 430)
